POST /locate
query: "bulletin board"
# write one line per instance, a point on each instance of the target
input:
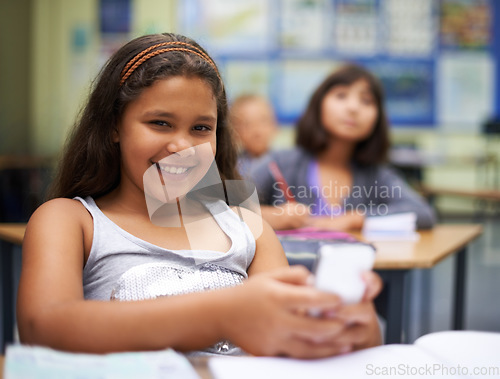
(437, 59)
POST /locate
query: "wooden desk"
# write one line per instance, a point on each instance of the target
(482, 194)
(13, 233)
(394, 261)
(10, 162)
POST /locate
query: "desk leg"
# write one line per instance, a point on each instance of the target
(6, 253)
(459, 296)
(395, 282)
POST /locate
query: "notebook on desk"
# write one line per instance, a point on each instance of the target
(34, 362)
(395, 227)
(453, 354)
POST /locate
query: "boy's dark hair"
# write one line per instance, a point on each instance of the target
(312, 136)
(90, 165)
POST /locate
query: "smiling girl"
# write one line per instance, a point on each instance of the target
(152, 131)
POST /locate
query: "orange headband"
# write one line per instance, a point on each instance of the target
(143, 56)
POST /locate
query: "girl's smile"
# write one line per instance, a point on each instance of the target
(172, 173)
(180, 172)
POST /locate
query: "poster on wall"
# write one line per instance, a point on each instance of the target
(228, 26)
(355, 27)
(466, 24)
(114, 16)
(243, 77)
(409, 90)
(114, 26)
(410, 27)
(465, 90)
(295, 82)
(285, 48)
(303, 24)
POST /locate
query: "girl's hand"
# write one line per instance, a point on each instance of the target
(374, 285)
(270, 317)
(362, 328)
(266, 316)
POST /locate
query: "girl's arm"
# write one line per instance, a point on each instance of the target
(400, 197)
(269, 253)
(390, 194)
(261, 315)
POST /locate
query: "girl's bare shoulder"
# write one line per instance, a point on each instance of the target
(60, 213)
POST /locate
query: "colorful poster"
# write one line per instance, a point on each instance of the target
(466, 24)
(283, 49)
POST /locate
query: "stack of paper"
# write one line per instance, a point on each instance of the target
(396, 227)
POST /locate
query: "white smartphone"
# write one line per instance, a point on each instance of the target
(338, 269)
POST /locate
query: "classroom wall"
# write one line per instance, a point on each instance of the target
(464, 161)
(43, 90)
(15, 79)
(68, 51)
(64, 56)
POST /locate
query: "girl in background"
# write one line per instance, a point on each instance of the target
(335, 176)
(159, 106)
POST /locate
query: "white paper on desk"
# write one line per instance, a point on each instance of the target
(458, 347)
(439, 355)
(34, 362)
(395, 227)
(366, 363)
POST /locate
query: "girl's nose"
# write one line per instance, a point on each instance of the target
(180, 145)
(353, 103)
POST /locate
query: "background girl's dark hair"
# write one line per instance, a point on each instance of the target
(312, 136)
(90, 165)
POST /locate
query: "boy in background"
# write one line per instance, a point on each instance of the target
(255, 124)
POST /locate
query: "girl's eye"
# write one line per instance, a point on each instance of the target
(367, 101)
(202, 128)
(160, 123)
(340, 94)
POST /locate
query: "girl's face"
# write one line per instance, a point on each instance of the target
(170, 131)
(349, 112)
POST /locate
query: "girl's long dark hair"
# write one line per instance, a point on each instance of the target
(90, 164)
(312, 136)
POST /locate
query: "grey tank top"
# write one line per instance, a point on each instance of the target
(123, 267)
